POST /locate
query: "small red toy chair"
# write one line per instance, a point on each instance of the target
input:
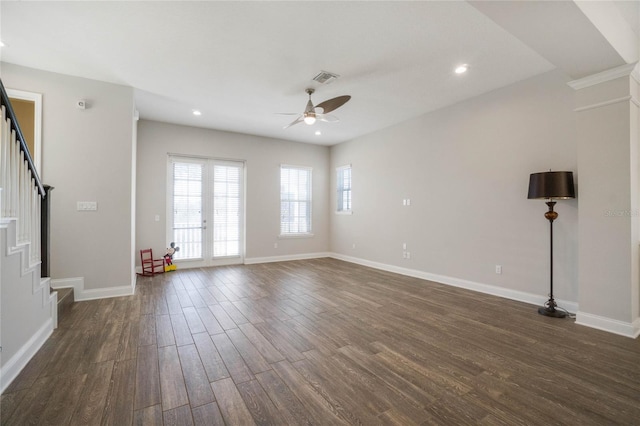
(150, 266)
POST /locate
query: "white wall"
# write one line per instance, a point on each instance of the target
(263, 158)
(27, 306)
(466, 170)
(607, 128)
(87, 156)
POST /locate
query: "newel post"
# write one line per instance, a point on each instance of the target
(45, 216)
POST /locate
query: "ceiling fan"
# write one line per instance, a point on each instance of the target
(319, 112)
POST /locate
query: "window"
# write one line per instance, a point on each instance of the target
(344, 189)
(295, 200)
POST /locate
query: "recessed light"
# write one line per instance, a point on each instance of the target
(318, 132)
(461, 69)
(197, 112)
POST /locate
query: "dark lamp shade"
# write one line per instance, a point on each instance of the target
(558, 185)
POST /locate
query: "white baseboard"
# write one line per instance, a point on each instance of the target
(14, 366)
(80, 294)
(627, 329)
(285, 258)
(520, 296)
(201, 263)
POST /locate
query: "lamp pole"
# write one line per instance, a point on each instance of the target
(549, 308)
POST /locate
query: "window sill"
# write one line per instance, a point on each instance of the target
(345, 212)
(304, 235)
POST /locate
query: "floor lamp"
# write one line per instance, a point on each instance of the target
(551, 185)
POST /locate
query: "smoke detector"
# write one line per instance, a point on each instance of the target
(325, 77)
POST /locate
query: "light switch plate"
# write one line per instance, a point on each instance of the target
(86, 206)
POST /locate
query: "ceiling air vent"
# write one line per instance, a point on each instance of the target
(325, 77)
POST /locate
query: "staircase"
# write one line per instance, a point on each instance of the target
(28, 308)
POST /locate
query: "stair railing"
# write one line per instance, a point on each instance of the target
(22, 190)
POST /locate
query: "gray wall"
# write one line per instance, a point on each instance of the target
(263, 157)
(466, 170)
(86, 156)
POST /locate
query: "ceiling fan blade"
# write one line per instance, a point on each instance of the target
(334, 103)
(327, 118)
(296, 121)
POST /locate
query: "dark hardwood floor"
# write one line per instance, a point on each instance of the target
(321, 342)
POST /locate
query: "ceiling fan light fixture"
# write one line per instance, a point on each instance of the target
(320, 112)
(461, 69)
(310, 118)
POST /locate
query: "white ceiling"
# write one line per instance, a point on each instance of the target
(242, 62)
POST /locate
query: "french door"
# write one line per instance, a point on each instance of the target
(206, 210)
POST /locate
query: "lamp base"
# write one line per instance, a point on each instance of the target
(551, 312)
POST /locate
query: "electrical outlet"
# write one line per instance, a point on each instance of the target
(404, 246)
(404, 254)
(353, 246)
(275, 245)
(408, 255)
(498, 269)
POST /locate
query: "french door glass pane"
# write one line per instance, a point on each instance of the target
(187, 209)
(226, 210)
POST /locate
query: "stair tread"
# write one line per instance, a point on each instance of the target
(63, 293)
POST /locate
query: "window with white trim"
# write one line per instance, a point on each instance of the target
(343, 181)
(295, 200)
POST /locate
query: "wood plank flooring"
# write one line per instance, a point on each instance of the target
(321, 342)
